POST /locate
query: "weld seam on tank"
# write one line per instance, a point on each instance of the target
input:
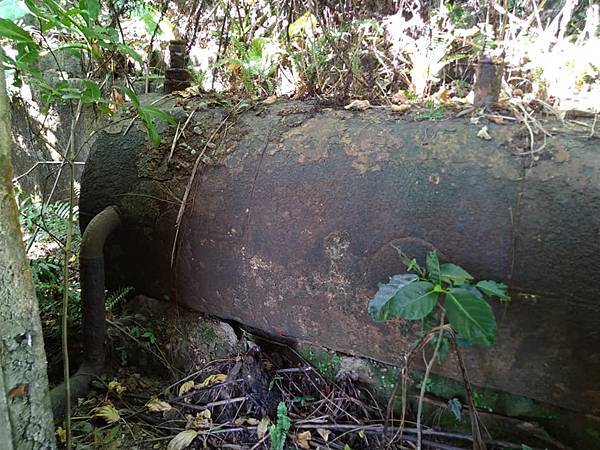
(93, 324)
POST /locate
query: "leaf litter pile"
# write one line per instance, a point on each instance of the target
(257, 400)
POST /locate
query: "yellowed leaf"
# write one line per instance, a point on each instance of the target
(358, 105)
(107, 412)
(61, 435)
(324, 433)
(182, 440)
(157, 405)
(211, 379)
(186, 387)
(361, 434)
(270, 100)
(483, 134)
(116, 387)
(304, 439)
(263, 427)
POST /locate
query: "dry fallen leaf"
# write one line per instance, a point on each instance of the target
(263, 427)
(201, 420)
(182, 440)
(186, 387)
(359, 105)
(443, 95)
(192, 91)
(400, 108)
(324, 433)
(107, 412)
(210, 380)
(116, 387)
(248, 420)
(270, 100)
(156, 405)
(304, 439)
(498, 120)
(483, 134)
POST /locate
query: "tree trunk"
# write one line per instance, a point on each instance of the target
(25, 413)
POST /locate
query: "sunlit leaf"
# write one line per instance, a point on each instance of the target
(13, 9)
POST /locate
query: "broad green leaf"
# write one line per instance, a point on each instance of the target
(493, 289)
(413, 301)
(453, 274)
(90, 8)
(470, 316)
(12, 9)
(379, 305)
(15, 33)
(433, 267)
(91, 92)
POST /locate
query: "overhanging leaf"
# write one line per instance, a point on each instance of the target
(413, 301)
(493, 289)
(453, 274)
(379, 305)
(470, 316)
(15, 33)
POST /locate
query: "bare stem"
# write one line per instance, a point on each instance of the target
(426, 377)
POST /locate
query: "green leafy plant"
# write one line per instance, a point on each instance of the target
(115, 298)
(433, 294)
(278, 431)
(448, 286)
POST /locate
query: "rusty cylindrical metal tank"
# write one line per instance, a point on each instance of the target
(293, 208)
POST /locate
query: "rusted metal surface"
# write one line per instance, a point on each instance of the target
(289, 231)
